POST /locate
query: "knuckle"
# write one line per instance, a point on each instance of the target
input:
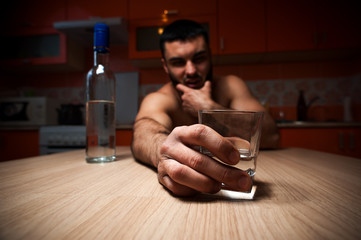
(177, 172)
(226, 175)
(199, 131)
(196, 162)
(165, 147)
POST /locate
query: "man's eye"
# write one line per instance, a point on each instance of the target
(178, 63)
(199, 59)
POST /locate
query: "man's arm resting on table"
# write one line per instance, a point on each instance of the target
(147, 139)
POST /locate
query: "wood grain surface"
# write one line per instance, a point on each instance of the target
(301, 194)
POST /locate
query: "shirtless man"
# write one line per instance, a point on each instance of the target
(166, 132)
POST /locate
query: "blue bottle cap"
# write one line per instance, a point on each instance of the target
(101, 36)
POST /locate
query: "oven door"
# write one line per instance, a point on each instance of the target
(55, 139)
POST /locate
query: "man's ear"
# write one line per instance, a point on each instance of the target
(165, 66)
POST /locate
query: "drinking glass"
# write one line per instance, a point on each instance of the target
(242, 128)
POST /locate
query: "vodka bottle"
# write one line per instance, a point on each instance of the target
(100, 102)
(301, 107)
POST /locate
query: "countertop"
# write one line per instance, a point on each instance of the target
(301, 194)
(313, 124)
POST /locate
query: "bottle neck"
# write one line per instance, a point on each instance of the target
(101, 56)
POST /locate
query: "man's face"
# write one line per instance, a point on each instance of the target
(188, 62)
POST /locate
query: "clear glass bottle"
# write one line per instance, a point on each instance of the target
(100, 102)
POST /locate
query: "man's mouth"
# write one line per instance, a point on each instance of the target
(194, 83)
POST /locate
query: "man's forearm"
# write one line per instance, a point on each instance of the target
(148, 136)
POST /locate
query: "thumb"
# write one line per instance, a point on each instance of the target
(207, 86)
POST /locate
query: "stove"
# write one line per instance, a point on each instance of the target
(54, 139)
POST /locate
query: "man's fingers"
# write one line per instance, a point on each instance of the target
(183, 180)
(197, 170)
(204, 136)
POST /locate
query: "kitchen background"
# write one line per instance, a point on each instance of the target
(278, 47)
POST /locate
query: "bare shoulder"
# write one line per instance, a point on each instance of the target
(230, 85)
(163, 100)
(230, 81)
(233, 91)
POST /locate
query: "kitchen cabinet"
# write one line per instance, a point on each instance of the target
(37, 13)
(85, 9)
(241, 26)
(15, 144)
(291, 25)
(144, 9)
(32, 44)
(339, 140)
(312, 25)
(144, 35)
(339, 24)
(40, 49)
(147, 20)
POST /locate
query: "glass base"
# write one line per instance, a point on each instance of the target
(102, 159)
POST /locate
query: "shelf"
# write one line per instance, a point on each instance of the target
(82, 30)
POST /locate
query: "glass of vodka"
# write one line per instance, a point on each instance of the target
(242, 128)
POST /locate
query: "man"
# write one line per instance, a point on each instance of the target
(166, 132)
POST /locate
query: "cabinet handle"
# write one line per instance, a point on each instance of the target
(341, 144)
(222, 43)
(170, 12)
(352, 141)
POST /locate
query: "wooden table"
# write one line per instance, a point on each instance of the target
(301, 194)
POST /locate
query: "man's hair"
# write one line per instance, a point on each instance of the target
(182, 30)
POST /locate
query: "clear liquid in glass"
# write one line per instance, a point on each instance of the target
(247, 161)
(100, 132)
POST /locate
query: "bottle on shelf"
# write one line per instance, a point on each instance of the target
(301, 107)
(100, 102)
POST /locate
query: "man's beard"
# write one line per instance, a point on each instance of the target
(209, 77)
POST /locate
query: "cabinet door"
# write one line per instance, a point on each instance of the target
(344, 141)
(84, 9)
(291, 25)
(339, 24)
(124, 137)
(35, 47)
(144, 35)
(241, 26)
(40, 49)
(352, 142)
(144, 9)
(17, 144)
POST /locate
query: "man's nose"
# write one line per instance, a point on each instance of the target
(190, 68)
